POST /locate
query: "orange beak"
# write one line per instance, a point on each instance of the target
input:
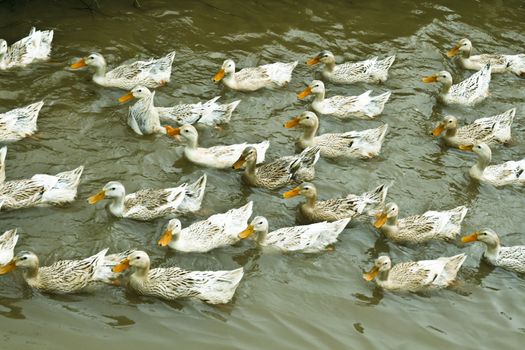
(313, 61)
(380, 220)
(239, 163)
(292, 193)
(305, 93)
(466, 147)
(126, 97)
(218, 77)
(7, 267)
(430, 79)
(97, 198)
(122, 266)
(166, 238)
(470, 238)
(438, 130)
(292, 123)
(79, 64)
(247, 233)
(171, 131)
(370, 275)
(453, 51)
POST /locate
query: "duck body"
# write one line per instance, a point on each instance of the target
(35, 46)
(209, 113)
(19, 123)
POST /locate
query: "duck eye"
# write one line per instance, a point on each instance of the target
(138, 257)
(112, 189)
(307, 117)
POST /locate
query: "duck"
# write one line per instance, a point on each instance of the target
(219, 157)
(510, 258)
(469, 92)
(431, 225)
(371, 70)
(35, 46)
(150, 204)
(40, 189)
(218, 230)
(338, 208)
(363, 106)
(508, 173)
(19, 123)
(362, 144)
(488, 130)
(280, 172)
(8, 242)
(254, 78)
(311, 238)
(499, 63)
(415, 276)
(170, 283)
(151, 74)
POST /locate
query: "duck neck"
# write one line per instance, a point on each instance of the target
(451, 132)
(31, 274)
(491, 251)
(261, 236)
(117, 205)
(319, 96)
(483, 162)
(309, 134)
(100, 71)
(249, 169)
(142, 272)
(392, 221)
(311, 201)
(329, 66)
(466, 53)
(446, 87)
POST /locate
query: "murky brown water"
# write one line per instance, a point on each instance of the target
(289, 301)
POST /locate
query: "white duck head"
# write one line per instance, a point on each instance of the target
(316, 87)
(173, 229)
(227, 68)
(381, 265)
(464, 46)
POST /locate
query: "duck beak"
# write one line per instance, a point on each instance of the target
(126, 97)
(166, 238)
(218, 77)
(171, 131)
(380, 220)
(292, 123)
(313, 61)
(247, 233)
(305, 93)
(79, 64)
(292, 193)
(466, 147)
(470, 238)
(430, 79)
(10, 266)
(453, 51)
(122, 266)
(97, 198)
(439, 129)
(370, 275)
(239, 163)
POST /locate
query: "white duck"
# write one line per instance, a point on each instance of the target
(221, 157)
(470, 91)
(363, 106)
(254, 78)
(202, 236)
(149, 204)
(7, 246)
(307, 238)
(152, 73)
(510, 258)
(415, 276)
(19, 123)
(35, 46)
(371, 70)
(352, 144)
(508, 173)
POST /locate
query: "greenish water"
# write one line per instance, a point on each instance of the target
(286, 301)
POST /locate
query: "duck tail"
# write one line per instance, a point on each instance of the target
(9, 239)
(216, 287)
(452, 266)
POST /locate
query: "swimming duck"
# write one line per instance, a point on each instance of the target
(508, 173)
(280, 172)
(35, 46)
(202, 236)
(470, 91)
(19, 123)
(337, 208)
(442, 225)
(499, 63)
(489, 130)
(368, 71)
(307, 238)
(149, 204)
(254, 78)
(152, 73)
(7, 246)
(363, 106)
(510, 258)
(352, 144)
(213, 287)
(415, 276)
(221, 157)
(40, 189)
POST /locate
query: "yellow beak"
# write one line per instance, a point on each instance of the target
(453, 51)
(171, 131)
(79, 64)
(438, 130)
(7, 267)
(313, 61)
(292, 193)
(292, 123)
(305, 93)
(247, 233)
(126, 97)
(122, 266)
(466, 147)
(380, 220)
(370, 275)
(166, 238)
(218, 77)
(97, 198)
(470, 238)
(239, 163)
(430, 79)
